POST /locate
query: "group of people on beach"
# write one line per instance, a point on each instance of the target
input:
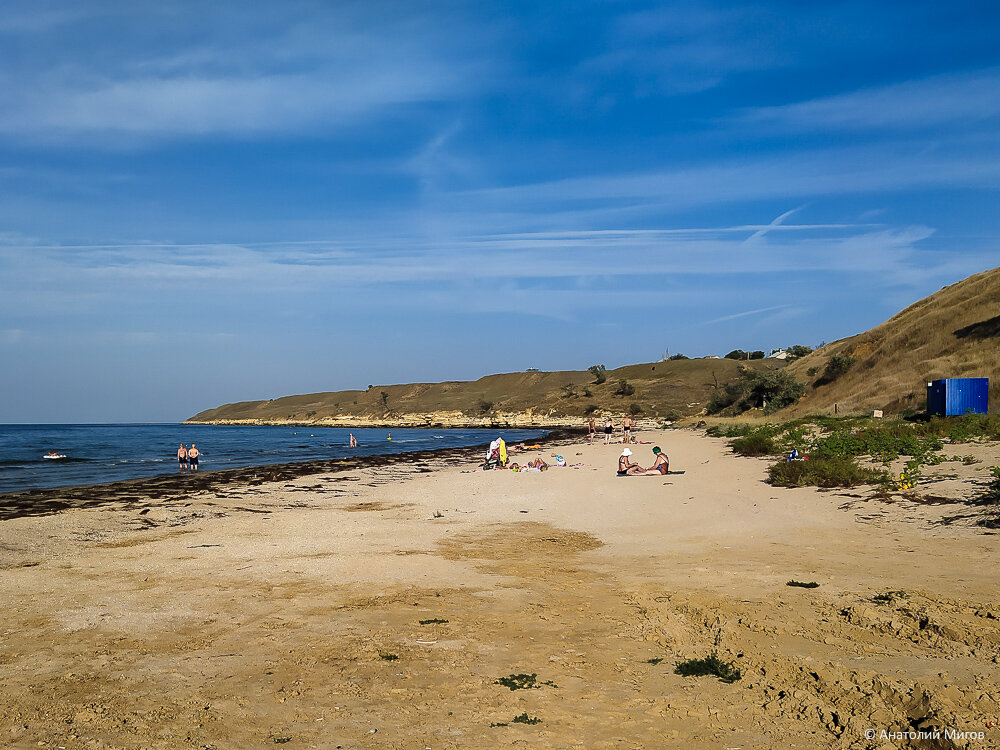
(187, 458)
(660, 467)
(627, 425)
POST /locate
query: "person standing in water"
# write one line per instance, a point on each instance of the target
(193, 454)
(353, 442)
(182, 458)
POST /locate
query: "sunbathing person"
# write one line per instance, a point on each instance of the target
(538, 463)
(661, 467)
(625, 466)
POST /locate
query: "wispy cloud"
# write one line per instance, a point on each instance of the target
(746, 313)
(967, 99)
(267, 74)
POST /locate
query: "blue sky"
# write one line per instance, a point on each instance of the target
(204, 203)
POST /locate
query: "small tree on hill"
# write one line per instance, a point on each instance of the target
(736, 354)
(836, 366)
(600, 373)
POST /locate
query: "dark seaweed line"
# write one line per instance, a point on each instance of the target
(42, 502)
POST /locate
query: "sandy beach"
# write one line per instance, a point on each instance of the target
(378, 607)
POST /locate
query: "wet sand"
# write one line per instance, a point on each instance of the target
(377, 607)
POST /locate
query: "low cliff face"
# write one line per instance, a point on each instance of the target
(432, 419)
(654, 391)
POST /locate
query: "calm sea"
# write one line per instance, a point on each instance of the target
(110, 452)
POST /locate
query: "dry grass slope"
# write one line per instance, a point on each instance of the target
(953, 333)
(662, 389)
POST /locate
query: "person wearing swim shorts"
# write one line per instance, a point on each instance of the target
(627, 429)
(193, 454)
(591, 430)
(182, 458)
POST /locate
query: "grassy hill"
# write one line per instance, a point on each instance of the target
(665, 390)
(953, 333)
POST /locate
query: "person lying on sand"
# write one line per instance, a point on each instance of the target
(661, 467)
(625, 466)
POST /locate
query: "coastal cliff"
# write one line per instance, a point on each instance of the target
(650, 393)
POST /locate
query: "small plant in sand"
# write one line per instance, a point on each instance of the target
(386, 656)
(525, 719)
(433, 621)
(991, 495)
(890, 596)
(711, 665)
(802, 585)
(438, 514)
(523, 682)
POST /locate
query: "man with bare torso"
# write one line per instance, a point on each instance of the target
(182, 458)
(193, 454)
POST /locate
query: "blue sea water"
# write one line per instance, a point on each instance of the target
(111, 452)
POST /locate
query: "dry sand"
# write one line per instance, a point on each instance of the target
(290, 613)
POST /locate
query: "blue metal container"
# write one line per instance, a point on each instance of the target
(956, 396)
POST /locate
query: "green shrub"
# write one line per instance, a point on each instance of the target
(676, 357)
(965, 428)
(485, 407)
(836, 366)
(591, 408)
(756, 355)
(635, 410)
(755, 444)
(625, 388)
(769, 390)
(736, 354)
(600, 373)
(824, 471)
